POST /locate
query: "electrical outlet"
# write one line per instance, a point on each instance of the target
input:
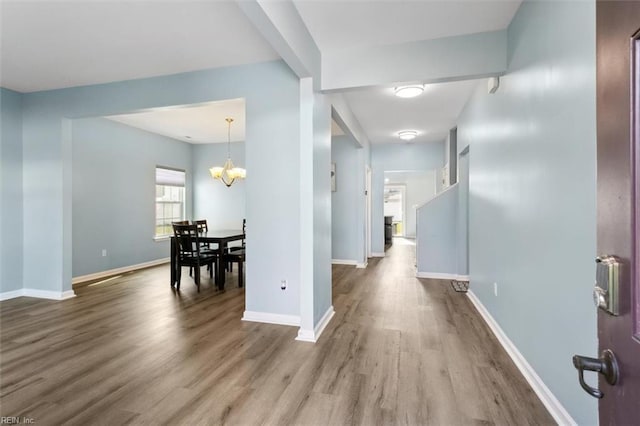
(104, 252)
(495, 289)
(283, 284)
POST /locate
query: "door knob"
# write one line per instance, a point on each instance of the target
(605, 365)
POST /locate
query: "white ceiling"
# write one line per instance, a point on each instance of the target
(50, 44)
(204, 123)
(362, 23)
(55, 44)
(192, 123)
(382, 114)
(346, 24)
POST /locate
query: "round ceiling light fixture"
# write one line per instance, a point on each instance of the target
(410, 91)
(407, 135)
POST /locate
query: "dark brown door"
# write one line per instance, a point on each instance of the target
(618, 52)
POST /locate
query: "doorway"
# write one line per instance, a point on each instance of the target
(394, 209)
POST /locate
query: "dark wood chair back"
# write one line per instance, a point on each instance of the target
(244, 233)
(187, 240)
(202, 225)
(202, 228)
(236, 254)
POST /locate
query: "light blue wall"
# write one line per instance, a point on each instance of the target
(396, 157)
(271, 92)
(532, 200)
(437, 226)
(346, 218)
(463, 215)
(113, 172)
(223, 207)
(11, 190)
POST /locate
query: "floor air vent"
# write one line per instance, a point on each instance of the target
(460, 286)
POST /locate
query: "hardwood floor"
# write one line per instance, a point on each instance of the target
(131, 351)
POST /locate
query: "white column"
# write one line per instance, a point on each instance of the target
(306, 209)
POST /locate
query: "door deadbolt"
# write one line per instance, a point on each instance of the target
(605, 293)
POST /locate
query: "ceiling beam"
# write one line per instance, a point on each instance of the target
(344, 117)
(281, 25)
(428, 61)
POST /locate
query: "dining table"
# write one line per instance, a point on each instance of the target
(221, 237)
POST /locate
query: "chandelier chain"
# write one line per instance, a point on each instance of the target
(229, 121)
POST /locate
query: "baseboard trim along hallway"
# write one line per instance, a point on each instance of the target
(117, 271)
(344, 262)
(549, 400)
(40, 294)
(442, 276)
(314, 335)
(270, 318)
(359, 265)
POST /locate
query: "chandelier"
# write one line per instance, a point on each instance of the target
(228, 173)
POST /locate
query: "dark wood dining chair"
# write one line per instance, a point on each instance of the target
(189, 253)
(242, 247)
(204, 228)
(236, 256)
(183, 222)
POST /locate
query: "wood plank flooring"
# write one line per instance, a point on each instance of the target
(131, 351)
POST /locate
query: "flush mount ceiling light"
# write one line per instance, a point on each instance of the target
(410, 91)
(407, 135)
(228, 173)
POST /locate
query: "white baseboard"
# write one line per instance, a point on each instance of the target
(344, 262)
(40, 294)
(359, 265)
(45, 294)
(11, 294)
(442, 276)
(555, 408)
(377, 254)
(111, 272)
(270, 318)
(314, 335)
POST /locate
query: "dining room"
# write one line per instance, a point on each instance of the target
(134, 175)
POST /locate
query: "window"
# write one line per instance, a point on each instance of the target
(170, 196)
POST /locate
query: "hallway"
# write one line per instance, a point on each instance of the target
(398, 351)
(434, 360)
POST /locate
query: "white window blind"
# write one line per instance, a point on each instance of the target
(169, 177)
(170, 199)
